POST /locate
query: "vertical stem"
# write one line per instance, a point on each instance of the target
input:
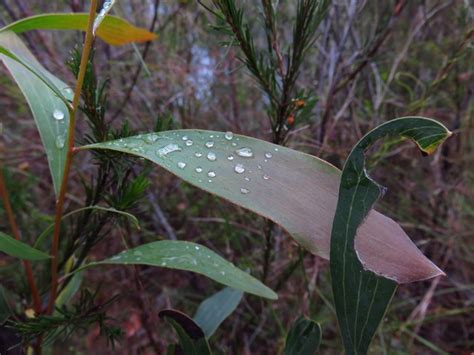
(67, 167)
(16, 233)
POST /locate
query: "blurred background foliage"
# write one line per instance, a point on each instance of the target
(372, 61)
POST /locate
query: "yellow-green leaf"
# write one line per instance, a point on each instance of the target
(113, 30)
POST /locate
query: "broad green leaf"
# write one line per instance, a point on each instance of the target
(295, 190)
(191, 337)
(193, 257)
(47, 97)
(13, 247)
(215, 309)
(5, 310)
(303, 338)
(113, 30)
(361, 297)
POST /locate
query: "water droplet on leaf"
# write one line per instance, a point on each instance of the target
(239, 168)
(58, 115)
(211, 174)
(211, 156)
(170, 148)
(244, 152)
(229, 135)
(244, 191)
(181, 165)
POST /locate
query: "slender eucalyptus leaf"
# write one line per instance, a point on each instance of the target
(16, 248)
(113, 30)
(362, 297)
(193, 257)
(5, 310)
(303, 338)
(44, 234)
(47, 97)
(215, 309)
(295, 190)
(191, 337)
(69, 291)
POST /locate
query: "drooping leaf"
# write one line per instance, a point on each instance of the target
(44, 234)
(295, 190)
(191, 337)
(362, 297)
(303, 338)
(113, 30)
(47, 97)
(215, 309)
(16, 248)
(193, 257)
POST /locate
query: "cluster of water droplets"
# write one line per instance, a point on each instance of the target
(240, 158)
(61, 128)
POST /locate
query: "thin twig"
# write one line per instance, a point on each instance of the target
(67, 167)
(16, 234)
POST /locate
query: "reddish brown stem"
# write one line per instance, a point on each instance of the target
(16, 234)
(70, 152)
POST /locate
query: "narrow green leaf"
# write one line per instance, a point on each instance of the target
(295, 190)
(13, 247)
(215, 309)
(191, 337)
(44, 234)
(193, 257)
(362, 297)
(47, 97)
(303, 338)
(113, 30)
(5, 310)
(69, 291)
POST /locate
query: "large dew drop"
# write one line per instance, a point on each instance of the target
(198, 169)
(229, 135)
(167, 149)
(58, 115)
(181, 165)
(244, 152)
(210, 144)
(230, 157)
(239, 169)
(211, 156)
(268, 155)
(189, 143)
(211, 174)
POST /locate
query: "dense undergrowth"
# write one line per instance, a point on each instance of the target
(370, 62)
